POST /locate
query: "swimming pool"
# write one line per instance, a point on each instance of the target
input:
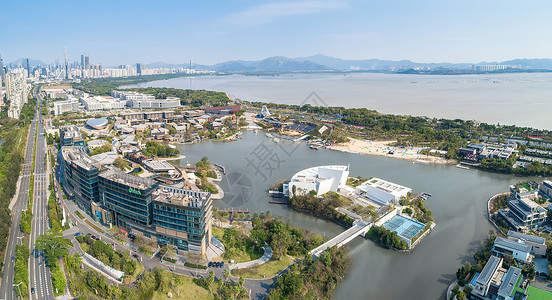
(404, 227)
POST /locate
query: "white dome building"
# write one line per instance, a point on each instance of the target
(321, 179)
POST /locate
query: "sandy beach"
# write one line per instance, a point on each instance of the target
(382, 148)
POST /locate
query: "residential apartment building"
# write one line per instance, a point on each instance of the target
(517, 249)
(537, 243)
(495, 282)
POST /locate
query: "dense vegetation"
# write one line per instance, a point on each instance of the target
(14, 139)
(104, 86)
(283, 238)
(313, 278)
(324, 206)
(236, 243)
(160, 150)
(21, 271)
(386, 238)
(119, 259)
(194, 98)
(55, 247)
(100, 150)
(204, 170)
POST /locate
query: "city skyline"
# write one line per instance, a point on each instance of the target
(119, 33)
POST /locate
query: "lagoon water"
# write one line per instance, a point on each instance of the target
(458, 203)
(523, 99)
(459, 196)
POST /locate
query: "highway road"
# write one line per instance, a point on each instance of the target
(7, 290)
(39, 272)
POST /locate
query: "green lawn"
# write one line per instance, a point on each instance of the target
(538, 294)
(218, 232)
(269, 269)
(188, 290)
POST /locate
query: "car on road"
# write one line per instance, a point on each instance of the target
(135, 255)
(40, 263)
(32, 290)
(77, 234)
(12, 259)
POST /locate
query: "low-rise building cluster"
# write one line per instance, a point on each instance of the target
(523, 212)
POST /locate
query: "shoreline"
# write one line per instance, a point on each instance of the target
(382, 148)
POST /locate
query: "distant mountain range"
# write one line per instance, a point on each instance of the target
(32, 62)
(323, 63)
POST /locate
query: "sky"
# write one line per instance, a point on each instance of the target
(208, 32)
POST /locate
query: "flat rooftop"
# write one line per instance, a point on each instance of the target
(78, 156)
(129, 180)
(181, 197)
(159, 165)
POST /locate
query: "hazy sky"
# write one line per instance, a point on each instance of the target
(124, 32)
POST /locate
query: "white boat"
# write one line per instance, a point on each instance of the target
(276, 140)
(462, 167)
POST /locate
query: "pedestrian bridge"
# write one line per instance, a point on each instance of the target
(359, 228)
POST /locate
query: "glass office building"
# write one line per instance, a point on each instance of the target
(183, 218)
(129, 198)
(80, 177)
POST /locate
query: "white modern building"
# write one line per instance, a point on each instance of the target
(321, 179)
(516, 248)
(381, 191)
(170, 102)
(61, 107)
(537, 243)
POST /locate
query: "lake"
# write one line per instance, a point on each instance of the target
(458, 203)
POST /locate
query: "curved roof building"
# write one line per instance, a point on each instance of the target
(321, 179)
(98, 124)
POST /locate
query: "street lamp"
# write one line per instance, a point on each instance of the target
(17, 285)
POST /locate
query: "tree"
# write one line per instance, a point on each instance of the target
(226, 275)
(461, 295)
(241, 282)
(53, 244)
(210, 280)
(172, 130)
(121, 163)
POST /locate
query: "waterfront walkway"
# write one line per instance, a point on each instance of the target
(253, 263)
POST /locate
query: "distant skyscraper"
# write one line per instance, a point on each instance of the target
(85, 62)
(66, 66)
(139, 69)
(2, 74)
(27, 67)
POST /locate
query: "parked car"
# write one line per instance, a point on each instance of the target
(210, 264)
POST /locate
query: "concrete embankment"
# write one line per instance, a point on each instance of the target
(489, 215)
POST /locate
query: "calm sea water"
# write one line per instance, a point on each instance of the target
(458, 204)
(519, 99)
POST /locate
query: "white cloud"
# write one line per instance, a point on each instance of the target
(266, 13)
